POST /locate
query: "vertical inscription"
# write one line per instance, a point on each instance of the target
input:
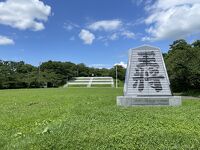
(147, 70)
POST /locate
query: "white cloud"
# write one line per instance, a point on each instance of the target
(173, 19)
(137, 2)
(113, 30)
(24, 14)
(107, 25)
(146, 38)
(70, 25)
(86, 36)
(123, 64)
(114, 36)
(166, 4)
(6, 41)
(128, 34)
(100, 66)
(104, 30)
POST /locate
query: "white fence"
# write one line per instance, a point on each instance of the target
(90, 81)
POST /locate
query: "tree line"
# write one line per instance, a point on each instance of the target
(48, 74)
(182, 63)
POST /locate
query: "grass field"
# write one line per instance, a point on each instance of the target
(81, 118)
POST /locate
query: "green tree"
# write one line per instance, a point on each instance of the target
(182, 65)
(121, 71)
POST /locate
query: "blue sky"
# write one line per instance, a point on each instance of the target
(95, 32)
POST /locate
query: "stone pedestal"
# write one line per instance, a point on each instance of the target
(149, 101)
(147, 82)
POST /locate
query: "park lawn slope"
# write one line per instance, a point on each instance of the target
(81, 118)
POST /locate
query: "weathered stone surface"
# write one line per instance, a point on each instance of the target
(147, 81)
(152, 101)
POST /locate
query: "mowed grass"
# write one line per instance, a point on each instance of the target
(80, 118)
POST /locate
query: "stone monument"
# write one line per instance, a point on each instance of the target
(147, 82)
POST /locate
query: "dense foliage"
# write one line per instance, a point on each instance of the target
(82, 118)
(182, 62)
(183, 65)
(48, 74)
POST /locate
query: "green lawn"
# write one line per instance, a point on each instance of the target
(80, 118)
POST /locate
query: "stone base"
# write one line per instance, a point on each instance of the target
(150, 101)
